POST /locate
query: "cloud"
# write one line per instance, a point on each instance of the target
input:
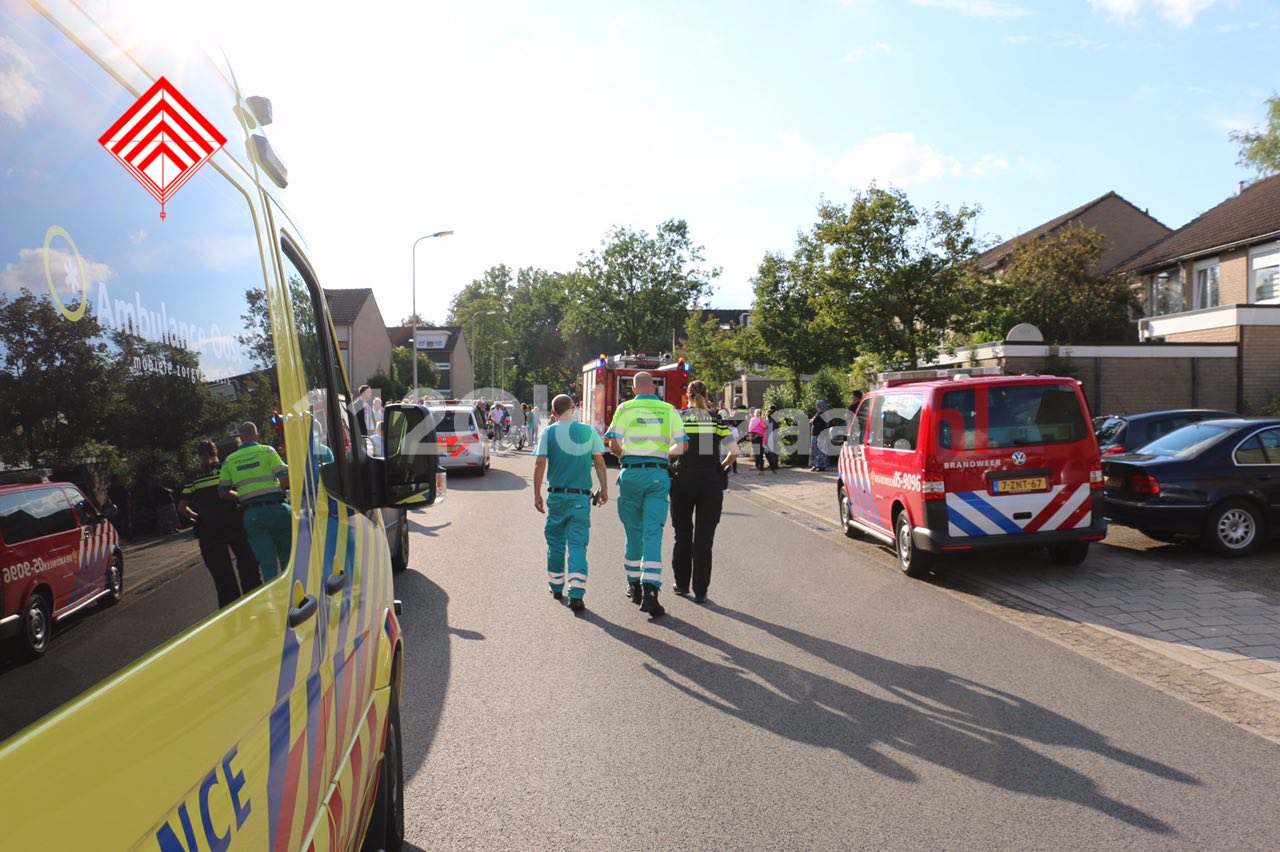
(1019, 39)
(28, 273)
(898, 159)
(18, 90)
(1180, 13)
(868, 52)
(138, 236)
(975, 8)
(986, 165)
(221, 253)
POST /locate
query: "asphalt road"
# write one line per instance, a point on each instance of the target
(819, 701)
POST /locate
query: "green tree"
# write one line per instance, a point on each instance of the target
(482, 309)
(892, 274)
(712, 352)
(1052, 282)
(402, 371)
(1260, 146)
(788, 327)
(638, 288)
(538, 304)
(55, 380)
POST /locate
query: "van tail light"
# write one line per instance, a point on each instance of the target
(1144, 483)
(1113, 451)
(1095, 477)
(932, 484)
(932, 487)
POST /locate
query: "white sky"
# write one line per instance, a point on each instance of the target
(531, 128)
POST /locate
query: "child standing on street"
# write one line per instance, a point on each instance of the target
(566, 454)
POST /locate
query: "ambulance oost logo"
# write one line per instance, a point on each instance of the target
(162, 140)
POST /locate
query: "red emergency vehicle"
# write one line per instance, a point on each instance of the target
(58, 555)
(942, 461)
(608, 382)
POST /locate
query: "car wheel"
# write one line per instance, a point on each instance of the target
(1234, 528)
(386, 826)
(115, 580)
(846, 515)
(913, 561)
(1072, 553)
(37, 625)
(400, 558)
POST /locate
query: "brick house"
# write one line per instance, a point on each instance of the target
(447, 348)
(1127, 229)
(361, 333)
(1217, 280)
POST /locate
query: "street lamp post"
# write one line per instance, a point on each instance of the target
(511, 358)
(413, 341)
(493, 360)
(474, 342)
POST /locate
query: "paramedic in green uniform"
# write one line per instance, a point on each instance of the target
(566, 453)
(256, 476)
(644, 434)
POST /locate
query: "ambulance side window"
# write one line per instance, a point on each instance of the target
(333, 437)
(127, 343)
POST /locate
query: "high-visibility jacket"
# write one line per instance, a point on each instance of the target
(253, 472)
(646, 427)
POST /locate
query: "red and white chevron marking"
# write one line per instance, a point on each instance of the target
(162, 140)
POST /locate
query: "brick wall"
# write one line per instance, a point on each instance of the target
(1148, 384)
(1233, 278)
(1226, 334)
(1260, 365)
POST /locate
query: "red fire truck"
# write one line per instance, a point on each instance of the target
(608, 381)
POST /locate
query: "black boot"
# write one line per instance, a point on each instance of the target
(650, 602)
(633, 592)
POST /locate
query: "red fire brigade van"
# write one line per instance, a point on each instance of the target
(936, 464)
(608, 382)
(58, 555)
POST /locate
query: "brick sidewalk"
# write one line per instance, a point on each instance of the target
(1142, 592)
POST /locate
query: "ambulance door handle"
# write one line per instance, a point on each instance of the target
(303, 611)
(336, 583)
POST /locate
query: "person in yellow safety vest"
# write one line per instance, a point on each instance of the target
(256, 476)
(645, 433)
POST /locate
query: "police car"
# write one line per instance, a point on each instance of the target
(58, 556)
(462, 442)
(949, 461)
(127, 340)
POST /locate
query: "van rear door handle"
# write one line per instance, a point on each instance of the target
(303, 611)
(335, 583)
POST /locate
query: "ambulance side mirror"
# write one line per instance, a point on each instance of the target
(412, 474)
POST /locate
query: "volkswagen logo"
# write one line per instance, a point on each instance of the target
(1019, 458)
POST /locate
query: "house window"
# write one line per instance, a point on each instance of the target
(1166, 292)
(1264, 275)
(1206, 293)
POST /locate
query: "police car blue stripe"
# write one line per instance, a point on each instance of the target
(990, 512)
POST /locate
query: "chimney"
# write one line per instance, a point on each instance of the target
(1240, 186)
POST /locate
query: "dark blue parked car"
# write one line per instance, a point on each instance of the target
(1124, 433)
(1216, 480)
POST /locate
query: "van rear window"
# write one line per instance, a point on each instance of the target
(1016, 416)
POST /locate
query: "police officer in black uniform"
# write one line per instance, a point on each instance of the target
(699, 478)
(220, 530)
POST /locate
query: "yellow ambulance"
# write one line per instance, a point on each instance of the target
(173, 700)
